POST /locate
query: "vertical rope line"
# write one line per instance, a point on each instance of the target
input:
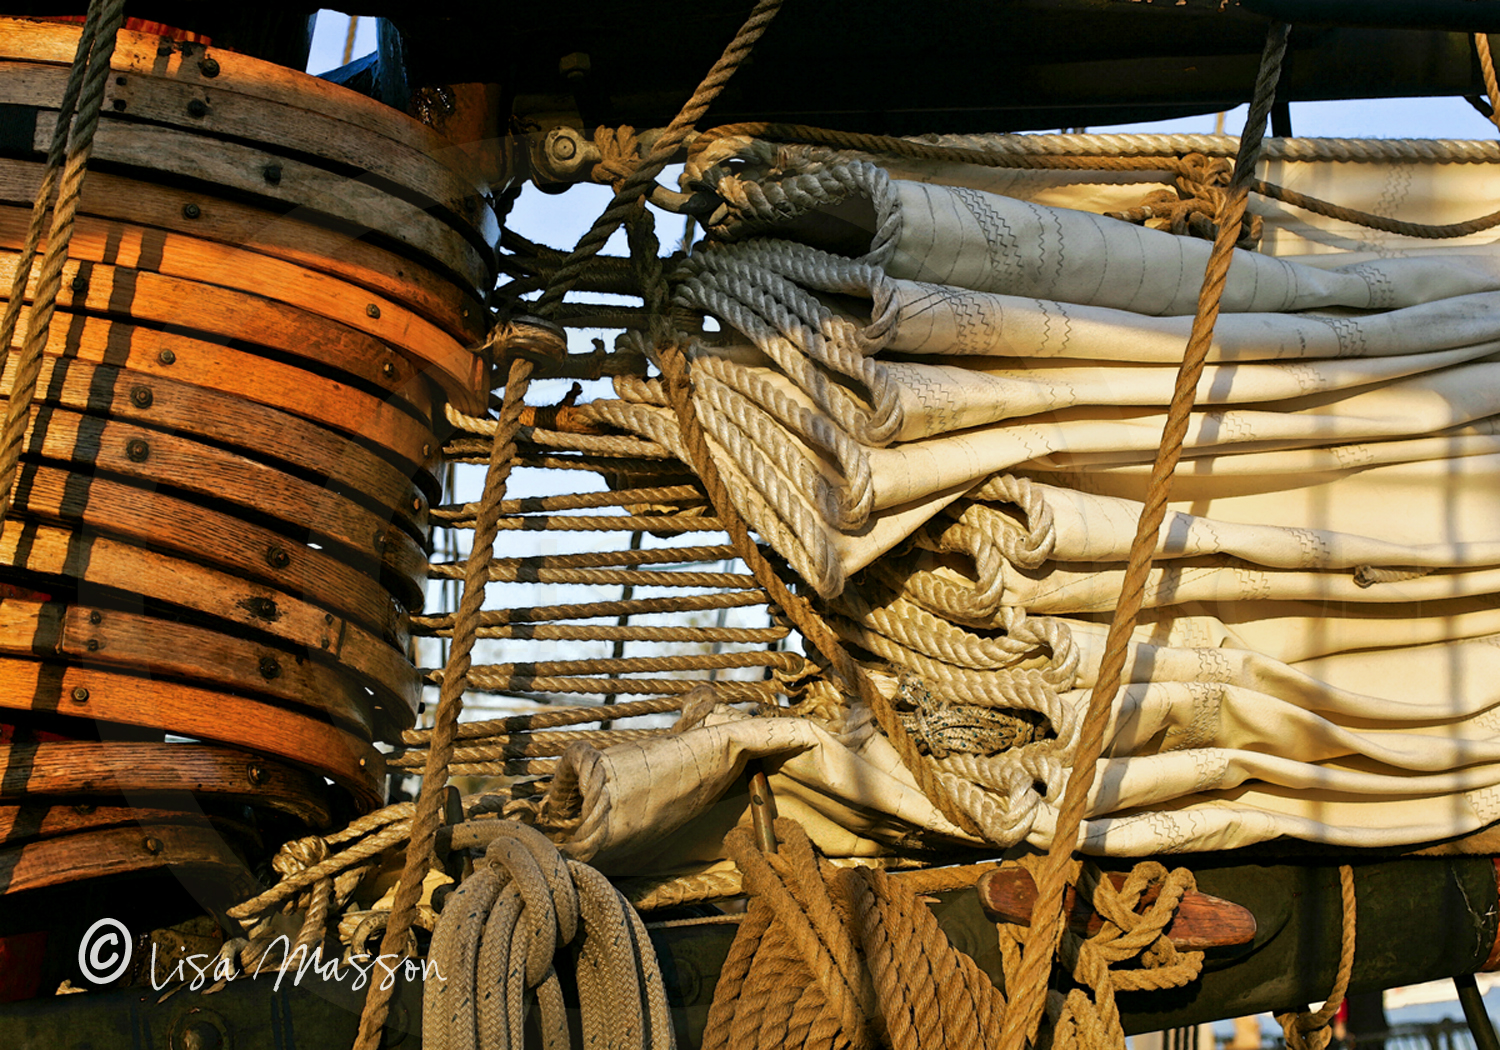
(1487, 70)
(502, 456)
(55, 154)
(1029, 996)
(86, 87)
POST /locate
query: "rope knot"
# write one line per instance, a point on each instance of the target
(299, 855)
(619, 152)
(524, 336)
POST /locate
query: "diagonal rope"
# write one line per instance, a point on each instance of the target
(1041, 944)
(1487, 70)
(85, 89)
(502, 458)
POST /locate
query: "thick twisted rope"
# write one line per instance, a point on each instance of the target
(1309, 1030)
(501, 460)
(85, 87)
(1030, 993)
(1487, 70)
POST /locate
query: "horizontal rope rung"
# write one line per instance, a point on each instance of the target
(677, 603)
(591, 577)
(456, 512)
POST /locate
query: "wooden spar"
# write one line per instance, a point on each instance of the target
(208, 715)
(291, 184)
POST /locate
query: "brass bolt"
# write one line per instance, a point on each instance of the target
(269, 668)
(388, 370)
(138, 450)
(96, 616)
(208, 67)
(140, 396)
(166, 357)
(80, 695)
(93, 645)
(277, 557)
(371, 310)
(152, 844)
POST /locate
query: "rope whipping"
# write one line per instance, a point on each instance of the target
(75, 136)
(1029, 994)
(502, 457)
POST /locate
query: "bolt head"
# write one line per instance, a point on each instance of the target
(272, 173)
(81, 285)
(258, 775)
(371, 310)
(197, 108)
(166, 357)
(96, 617)
(208, 67)
(80, 695)
(563, 147)
(388, 370)
(153, 844)
(270, 667)
(191, 211)
(278, 558)
(93, 645)
(137, 450)
(141, 397)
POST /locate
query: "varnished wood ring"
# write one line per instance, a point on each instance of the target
(107, 696)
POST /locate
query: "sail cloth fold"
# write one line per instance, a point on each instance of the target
(948, 432)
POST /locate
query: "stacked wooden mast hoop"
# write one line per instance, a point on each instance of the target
(220, 520)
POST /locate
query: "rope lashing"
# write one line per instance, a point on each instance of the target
(1309, 1030)
(1487, 70)
(1193, 208)
(1021, 1022)
(73, 138)
(501, 460)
